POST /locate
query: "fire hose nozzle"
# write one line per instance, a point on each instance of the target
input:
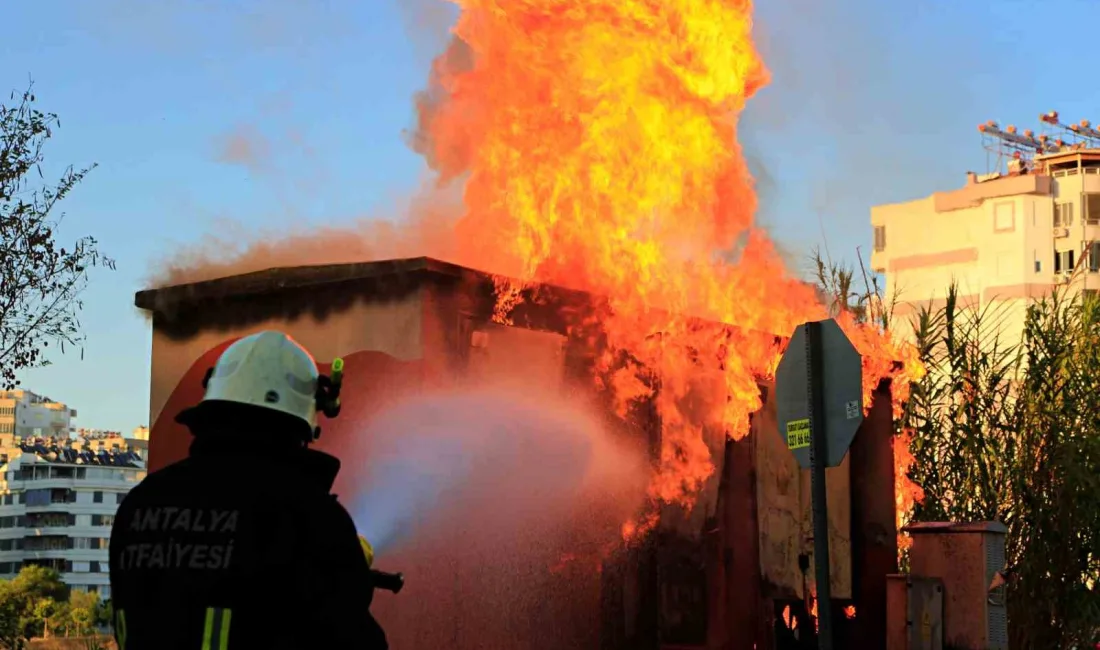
(392, 582)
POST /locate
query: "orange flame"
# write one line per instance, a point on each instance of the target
(635, 529)
(849, 611)
(789, 619)
(598, 142)
(906, 492)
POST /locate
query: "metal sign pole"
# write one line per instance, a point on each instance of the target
(818, 454)
(819, 407)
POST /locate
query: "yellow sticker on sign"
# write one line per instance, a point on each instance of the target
(798, 434)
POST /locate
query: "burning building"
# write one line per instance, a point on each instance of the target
(729, 569)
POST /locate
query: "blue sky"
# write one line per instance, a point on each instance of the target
(871, 102)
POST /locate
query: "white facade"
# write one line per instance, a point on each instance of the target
(26, 414)
(1006, 240)
(59, 514)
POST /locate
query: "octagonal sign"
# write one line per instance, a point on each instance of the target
(842, 389)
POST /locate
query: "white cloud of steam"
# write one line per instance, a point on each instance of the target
(504, 459)
(499, 505)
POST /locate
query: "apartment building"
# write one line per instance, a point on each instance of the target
(57, 505)
(26, 414)
(1004, 238)
(137, 441)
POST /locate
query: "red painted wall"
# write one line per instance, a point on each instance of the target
(371, 381)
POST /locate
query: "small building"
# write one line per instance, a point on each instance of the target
(728, 575)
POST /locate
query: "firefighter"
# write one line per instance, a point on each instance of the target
(241, 544)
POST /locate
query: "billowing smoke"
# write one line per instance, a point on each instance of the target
(425, 230)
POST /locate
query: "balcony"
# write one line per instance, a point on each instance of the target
(57, 564)
(44, 498)
(45, 520)
(82, 477)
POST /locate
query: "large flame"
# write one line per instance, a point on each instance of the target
(598, 141)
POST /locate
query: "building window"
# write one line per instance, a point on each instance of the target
(119, 496)
(1063, 261)
(36, 498)
(1092, 209)
(103, 520)
(50, 496)
(880, 238)
(1004, 217)
(97, 496)
(95, 567)
(1063, 215)
(61, 472)
(1094, 257)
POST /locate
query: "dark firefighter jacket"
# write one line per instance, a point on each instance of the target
(237, 547)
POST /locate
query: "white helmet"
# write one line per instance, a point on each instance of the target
(267, 370)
